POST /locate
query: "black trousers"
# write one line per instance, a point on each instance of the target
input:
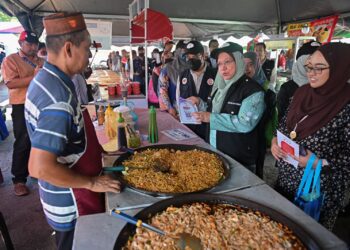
(21, 146)
(64, 240)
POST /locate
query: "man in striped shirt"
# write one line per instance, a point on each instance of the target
(65, 154)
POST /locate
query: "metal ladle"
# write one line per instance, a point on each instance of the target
(182, 240)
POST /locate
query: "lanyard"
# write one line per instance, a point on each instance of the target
(26, 60)
(293, 133)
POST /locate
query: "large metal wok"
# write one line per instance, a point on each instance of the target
(181, 147)
(178, 201)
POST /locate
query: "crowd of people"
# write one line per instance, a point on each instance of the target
(56, 143)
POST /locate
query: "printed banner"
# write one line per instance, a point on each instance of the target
(322, 29)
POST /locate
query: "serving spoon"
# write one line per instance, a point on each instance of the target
(181, 240)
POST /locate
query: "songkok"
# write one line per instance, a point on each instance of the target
(64, 23)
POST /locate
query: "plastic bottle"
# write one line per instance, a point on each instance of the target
(100, 115)
(122, 142)
(152, 126)
(110, 123)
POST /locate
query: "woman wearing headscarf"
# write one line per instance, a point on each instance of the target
(254, 70)
(299, 77)
(168, 78)
(319, 120)
(235, 108)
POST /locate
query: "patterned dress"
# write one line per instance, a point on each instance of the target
(331, 142)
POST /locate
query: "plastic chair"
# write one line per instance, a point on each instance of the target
(5, 233)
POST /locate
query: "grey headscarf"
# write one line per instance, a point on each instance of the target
(299, 72)
(222, 86)
(259, 74)
(176, 67)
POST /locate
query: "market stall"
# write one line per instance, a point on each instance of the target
(101, 231)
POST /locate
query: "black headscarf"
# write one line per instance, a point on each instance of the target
(323, 103)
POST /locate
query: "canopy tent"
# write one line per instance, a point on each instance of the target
(10, 28)
(199, 19)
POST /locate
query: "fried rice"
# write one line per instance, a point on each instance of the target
(220, 226)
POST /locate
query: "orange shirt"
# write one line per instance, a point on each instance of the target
(14, 67)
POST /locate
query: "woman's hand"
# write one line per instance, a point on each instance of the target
(276, 151)
(173, 113)
(194, 99)
(304, 159)
(202, 116)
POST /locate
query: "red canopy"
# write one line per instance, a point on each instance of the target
(158, 27)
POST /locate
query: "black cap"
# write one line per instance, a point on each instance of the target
(228, 47)
(194, 47)
(181, 44)
(308, 48)
(28, 36)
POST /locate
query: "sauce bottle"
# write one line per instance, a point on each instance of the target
(100, 115)
(122, 141)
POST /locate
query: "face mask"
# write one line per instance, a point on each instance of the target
(195, 64)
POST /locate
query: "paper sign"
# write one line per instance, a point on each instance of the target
(186, 108)
(178, 134)
(288, 146)
(322, 29)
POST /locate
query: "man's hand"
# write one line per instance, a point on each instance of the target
(105, 183)
(36, 70)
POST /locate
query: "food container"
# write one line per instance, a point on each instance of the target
(111, 89)
(181, 147)
(136, 88)
(298, 230)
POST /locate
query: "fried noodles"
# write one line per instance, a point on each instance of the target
(188, 171)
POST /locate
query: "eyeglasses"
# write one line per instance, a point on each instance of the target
(225, 63)
(317, 71)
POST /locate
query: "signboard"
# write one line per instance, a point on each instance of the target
(100, 32)
(322, 29)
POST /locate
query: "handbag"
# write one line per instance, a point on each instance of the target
(309, 197)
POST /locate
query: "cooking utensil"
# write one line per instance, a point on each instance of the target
(158, 168)
(175, 147)
(178, 201)
(182, 240)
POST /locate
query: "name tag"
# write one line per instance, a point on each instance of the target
(234, 103)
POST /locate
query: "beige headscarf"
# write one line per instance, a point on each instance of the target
(221, 86)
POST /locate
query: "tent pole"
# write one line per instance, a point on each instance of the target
(146, 58)
(279, 27)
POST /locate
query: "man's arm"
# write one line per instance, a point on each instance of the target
(19, 82)
(43, 165)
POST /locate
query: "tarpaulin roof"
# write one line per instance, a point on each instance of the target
(200, 18)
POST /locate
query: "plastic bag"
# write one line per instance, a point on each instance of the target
(309, 197)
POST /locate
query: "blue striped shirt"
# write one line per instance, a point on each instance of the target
(55, 124)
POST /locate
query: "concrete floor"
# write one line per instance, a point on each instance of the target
(26, 222)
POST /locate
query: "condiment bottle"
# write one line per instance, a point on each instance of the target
(100, 115)
(152, 126)
(110, 123)
(122, 142)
